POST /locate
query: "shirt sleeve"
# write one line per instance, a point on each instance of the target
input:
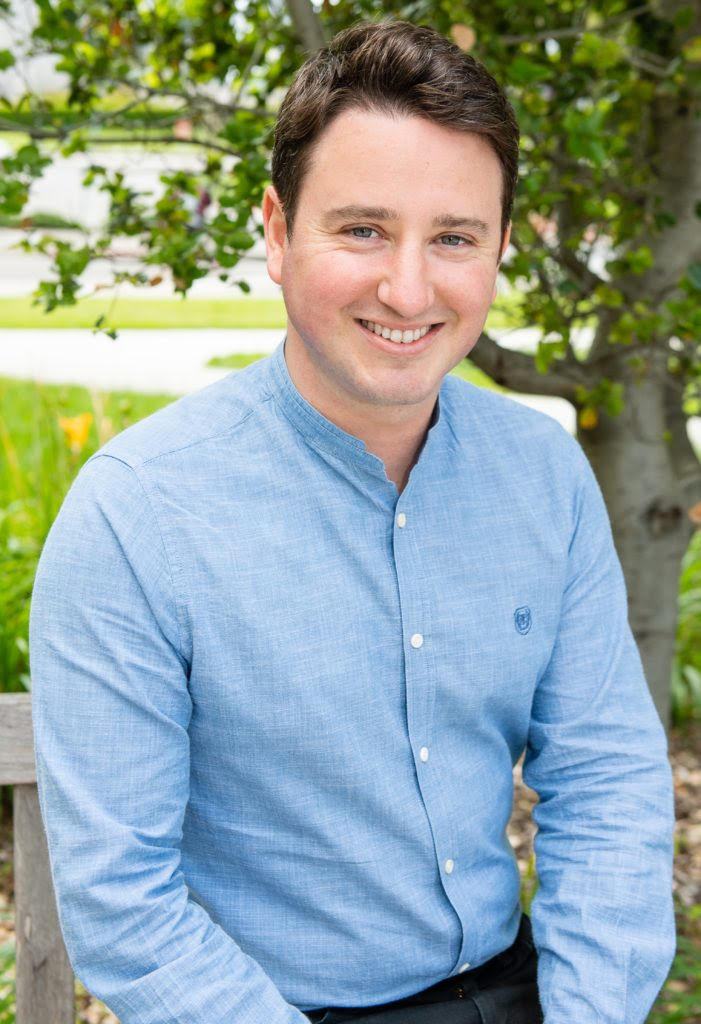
(603, 917)
(111, 710)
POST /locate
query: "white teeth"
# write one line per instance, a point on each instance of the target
(397, 336)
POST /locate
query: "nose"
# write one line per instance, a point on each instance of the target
(406, 286)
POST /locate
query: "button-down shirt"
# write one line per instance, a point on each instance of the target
(277, 707)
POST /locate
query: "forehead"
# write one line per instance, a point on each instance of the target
(366, 157)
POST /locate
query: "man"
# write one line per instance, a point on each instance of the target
(291, 634)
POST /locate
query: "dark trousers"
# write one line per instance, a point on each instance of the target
(502, 991)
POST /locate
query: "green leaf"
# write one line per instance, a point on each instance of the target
(524, 71)
(640, 260)
(546, 353)
(607, 296)
(201, 52)
(694, 275)
(684, 17)
(597, 52)
(692, 50)
(6, 59)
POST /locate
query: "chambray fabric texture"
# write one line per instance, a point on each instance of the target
(275, 728)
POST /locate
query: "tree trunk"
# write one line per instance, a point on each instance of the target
(634, 460)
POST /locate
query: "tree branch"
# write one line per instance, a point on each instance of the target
(574, 33)
(307, 26)
(648, 62)
(39, 133)
(584, 276)
(600, 348)
(547, 285)
(256, 54)
(516, 370)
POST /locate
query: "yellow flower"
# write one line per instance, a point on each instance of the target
(76, 429)
(588, 418)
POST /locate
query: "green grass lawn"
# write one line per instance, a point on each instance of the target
(29, 413)
(167, 312)
(124, 312)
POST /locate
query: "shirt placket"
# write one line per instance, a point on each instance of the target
(421, 682)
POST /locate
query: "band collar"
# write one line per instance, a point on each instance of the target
(319, 431)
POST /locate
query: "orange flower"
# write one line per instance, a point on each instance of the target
(588, 418)
(76, 429)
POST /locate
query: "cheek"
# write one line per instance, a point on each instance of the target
(322, 286)
(470, 291)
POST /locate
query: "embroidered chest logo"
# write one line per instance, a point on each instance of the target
(522, 620)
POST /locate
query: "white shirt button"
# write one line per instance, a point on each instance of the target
(449, 865)
(423, 754)
(401, 520)
(463, 968)
(417, 640)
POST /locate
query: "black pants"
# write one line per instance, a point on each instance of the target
(502, 991)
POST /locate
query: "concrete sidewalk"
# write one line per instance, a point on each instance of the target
(168, 361)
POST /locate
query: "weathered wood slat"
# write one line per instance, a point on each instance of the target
(45, 984)
(16, 741)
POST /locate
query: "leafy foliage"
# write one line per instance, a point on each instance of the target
(188, 74)
(45, 436)
(686, 675)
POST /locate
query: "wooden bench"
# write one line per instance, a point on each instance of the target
(45, 982)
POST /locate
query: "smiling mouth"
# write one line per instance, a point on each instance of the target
(395, 335)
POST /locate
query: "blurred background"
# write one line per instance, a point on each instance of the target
(134, 149)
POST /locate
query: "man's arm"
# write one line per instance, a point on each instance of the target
(109, 667)
(603, 916)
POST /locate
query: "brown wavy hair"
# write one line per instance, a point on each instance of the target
(397, 68)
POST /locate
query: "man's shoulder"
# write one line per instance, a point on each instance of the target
(527, 445)
(470, 406)
(194, 420)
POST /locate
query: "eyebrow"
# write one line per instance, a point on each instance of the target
(379, 213)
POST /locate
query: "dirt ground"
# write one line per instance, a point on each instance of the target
(685, 755)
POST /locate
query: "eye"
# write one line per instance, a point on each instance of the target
(362, 231)
(454, 241)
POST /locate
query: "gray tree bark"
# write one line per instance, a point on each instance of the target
(633, 456)
(308, 27)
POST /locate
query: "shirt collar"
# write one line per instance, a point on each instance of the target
(324, 435)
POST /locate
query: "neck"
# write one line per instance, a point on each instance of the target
(398, 444)
(393, 433)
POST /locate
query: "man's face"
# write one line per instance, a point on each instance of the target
(397, 232)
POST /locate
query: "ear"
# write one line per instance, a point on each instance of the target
(275, 227)
(504, 247)
(505, 243)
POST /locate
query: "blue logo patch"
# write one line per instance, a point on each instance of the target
(522, 620)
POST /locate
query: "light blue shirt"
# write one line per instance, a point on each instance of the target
(277, 708)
